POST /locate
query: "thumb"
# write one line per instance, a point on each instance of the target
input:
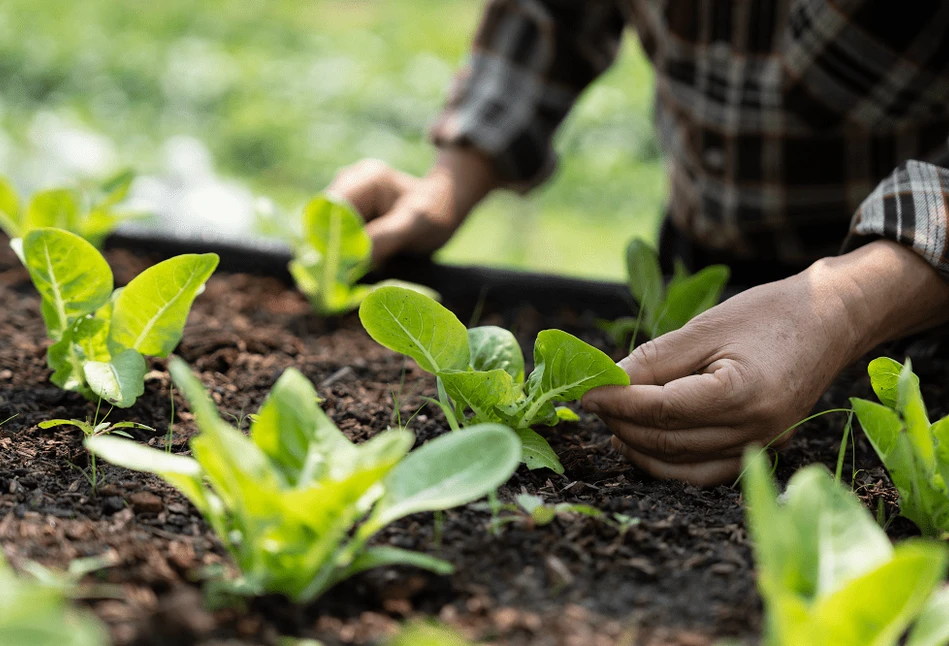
(673, 355)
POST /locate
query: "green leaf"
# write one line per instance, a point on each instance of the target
(932, 627)
(536, 452)
(66, 364)
(57, 208)
(150, 313)
(183, 473)
(482, 392)
(877, 608)
(909, 403)
(294, 431)
(85, 427)
(884, 377)
(120, 381)
(565, 414)
(382, 556)
(689, 297)
(448, 471)
(335, 254)
(408, 322)
(9, 210)
(494, 348)
(115, 189)
(645, 276)
(71, 276)
(565, 368)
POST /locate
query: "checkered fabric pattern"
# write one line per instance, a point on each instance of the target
(786, 124)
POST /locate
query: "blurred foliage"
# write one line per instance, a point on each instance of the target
(284, 92)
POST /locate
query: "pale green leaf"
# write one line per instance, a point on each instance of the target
(119, 381)
(482, 392)
(494, 348)
(884, 378)
(932, 627)
(57, 208)
(150, 313)
(9, 210)
(565, 414)
(565, 368)
(71, 276)
(448, 471)
(408, 322)
(536, 452)
(645, 276)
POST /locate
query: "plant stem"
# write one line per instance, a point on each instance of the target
(446, 405)
(843, 447)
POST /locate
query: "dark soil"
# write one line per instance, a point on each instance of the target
(683, 575)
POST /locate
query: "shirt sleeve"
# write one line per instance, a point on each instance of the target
(910, 207)
(530, 61)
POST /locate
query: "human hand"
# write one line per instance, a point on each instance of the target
(408, 214)
(747, 370)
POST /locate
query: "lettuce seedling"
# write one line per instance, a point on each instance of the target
(333, 255)
(296, 503)
(664, 308)
(914, 452)
(101, 335)
(827, 572)
(90, 213)
(36, 611)
(481, 370)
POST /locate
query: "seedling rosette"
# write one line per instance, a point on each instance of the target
(90, 214)
(333, 254)
(480, 372)
(914, 452)
(297, 502)
(829, 575)
(101, 336)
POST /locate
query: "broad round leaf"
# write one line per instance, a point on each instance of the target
(120, 381)
(69, 273)
(448, 471)
(150, 313)
(411, 323)
(494, 348)
(565, 368)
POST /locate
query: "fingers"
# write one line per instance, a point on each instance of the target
(371, 186)
(694, 401)
(688, 446)
(702, 474)
(670, 356)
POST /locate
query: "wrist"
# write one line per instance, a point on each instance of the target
(879, 292)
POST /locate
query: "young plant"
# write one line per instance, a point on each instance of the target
(102, 336)
(89, 213)
(296, 503)
(914, 452)
(36, 611)
(828, 574)
(333, 254)
(481, 370)
(94, 429)
(664, 308)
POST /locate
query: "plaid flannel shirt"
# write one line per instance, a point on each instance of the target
(786, 124)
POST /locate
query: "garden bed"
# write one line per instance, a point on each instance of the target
(683, 575)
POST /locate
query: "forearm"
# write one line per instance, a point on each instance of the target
(883, 291)
(468, 176)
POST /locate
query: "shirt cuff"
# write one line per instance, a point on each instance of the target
(910, 207)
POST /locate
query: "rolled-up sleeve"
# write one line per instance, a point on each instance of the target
(911, 207)
(530, 61)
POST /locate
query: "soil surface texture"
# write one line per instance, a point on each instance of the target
(681, 573)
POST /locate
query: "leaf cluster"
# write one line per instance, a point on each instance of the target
(914, 452)
(36, 611)
(665, 308)
(90, 214)
(333, 254)
(296, 502)
(100, 335)
(827, 572)
(481, 370)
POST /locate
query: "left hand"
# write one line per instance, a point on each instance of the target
(746, 370)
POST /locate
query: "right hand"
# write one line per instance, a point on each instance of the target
(408, 214)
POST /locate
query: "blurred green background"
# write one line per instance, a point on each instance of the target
(283, 92)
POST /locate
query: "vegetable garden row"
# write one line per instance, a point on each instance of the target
(338, 476)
